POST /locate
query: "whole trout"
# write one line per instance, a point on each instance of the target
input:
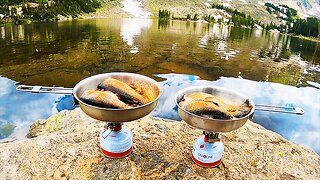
(208, 105)
(105, 99)
(126, 93)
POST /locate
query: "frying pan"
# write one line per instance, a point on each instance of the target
(229, 97)
(150, 86)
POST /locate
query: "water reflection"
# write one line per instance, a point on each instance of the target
(163, 24)
(63, 53)
(131, 28)
(20, 32)
(304, 129)
(134, 8)
(19, 110)
(3, 33)
(258, 33)
(36, 53)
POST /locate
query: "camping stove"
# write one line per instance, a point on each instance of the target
(115, 140)
(207, 150)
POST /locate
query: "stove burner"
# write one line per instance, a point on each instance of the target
(115, 140)
(207, 150)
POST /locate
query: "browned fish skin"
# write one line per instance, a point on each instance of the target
(105, 99)
(239, 111)
(204, 108)
(209, 105)
(127, 94)
(137, 88)
(209, 98)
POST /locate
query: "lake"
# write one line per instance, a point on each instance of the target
(269, 67)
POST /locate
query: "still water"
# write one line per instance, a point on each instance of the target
(269, 67)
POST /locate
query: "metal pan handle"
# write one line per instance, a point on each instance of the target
(280, 109)
(44, 89)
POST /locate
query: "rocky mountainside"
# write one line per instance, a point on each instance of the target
(66, 146)
(255, 8)
(305, 8)
(308, 7)
(18, 11)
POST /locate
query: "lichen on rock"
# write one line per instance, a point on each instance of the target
(66, 146)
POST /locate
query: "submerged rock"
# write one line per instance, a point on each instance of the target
(6, 130)
(67, 146)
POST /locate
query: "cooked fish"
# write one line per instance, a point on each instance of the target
(105, 99)
(126, 93)
(137, 88)
(201, 96)
(208, 105)
(240, 110)
(204, 108)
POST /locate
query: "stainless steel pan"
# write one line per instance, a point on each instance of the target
(228, 96)
(106, 114)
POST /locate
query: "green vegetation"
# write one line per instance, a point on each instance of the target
(189, 16)
(238, 18)
(306, 27)
(164, 19)
(195, 17)
(14, 2)
(209, 18)
(164, 14)
(180, 8)
(44, 10)
(290, 13)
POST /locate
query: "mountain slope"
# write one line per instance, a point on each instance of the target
(304, 7)
(257, 8)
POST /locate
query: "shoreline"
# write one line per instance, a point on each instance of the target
(121, 15)
(66, 145)
(34, 130)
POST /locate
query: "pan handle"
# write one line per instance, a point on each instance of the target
(280, 109)
(44, 89)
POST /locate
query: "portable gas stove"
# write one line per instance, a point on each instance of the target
(115, 140)
(208, 149)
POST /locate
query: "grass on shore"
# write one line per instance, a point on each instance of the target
(307, 38)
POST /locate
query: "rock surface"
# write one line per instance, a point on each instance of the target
(66, 147)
